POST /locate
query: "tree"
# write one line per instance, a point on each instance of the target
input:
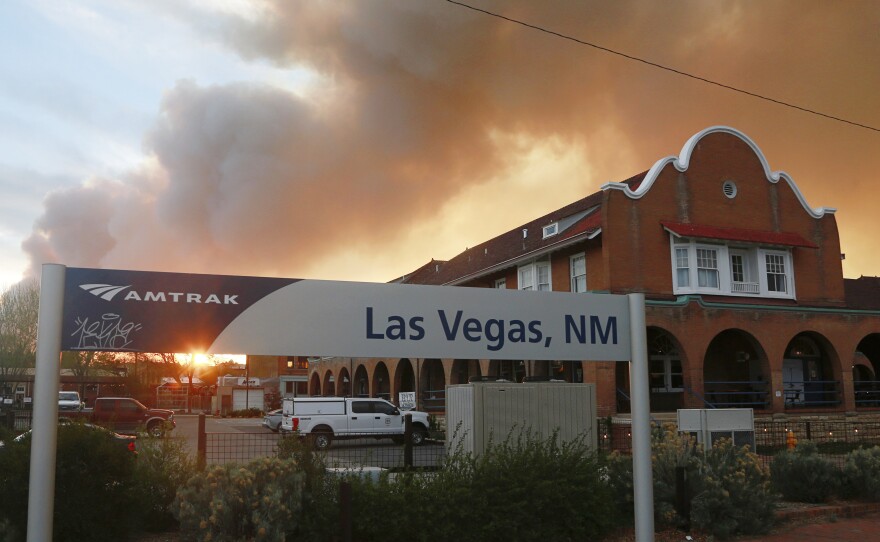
(19, 309)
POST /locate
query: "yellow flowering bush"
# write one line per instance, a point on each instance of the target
(258, 501)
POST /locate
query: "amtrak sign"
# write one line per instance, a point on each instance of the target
(137, 311)
(172, 312)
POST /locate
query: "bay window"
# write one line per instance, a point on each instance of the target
(699, 267)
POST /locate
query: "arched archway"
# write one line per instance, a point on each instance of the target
(315, 385)
(735, 372)
(361, 382)
(404, 376)
(810, 373)
(866, 372)
(329, 385)
(433, 386)
(344, 386)
(381, 382)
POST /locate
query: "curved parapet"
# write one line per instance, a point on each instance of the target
(682, 161)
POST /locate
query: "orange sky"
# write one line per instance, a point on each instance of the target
(428, 128)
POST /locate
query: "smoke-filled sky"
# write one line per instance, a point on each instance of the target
(358, 140)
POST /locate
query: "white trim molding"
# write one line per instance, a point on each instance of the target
(682, 161)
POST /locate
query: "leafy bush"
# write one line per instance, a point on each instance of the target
(735, 494)
(861, 474)
(522, 489)
(729, 487)
(319, 514)
(234, 502)
(247, 413)
(163, 466)
(671, 450)
(93, 486)
(802, 475)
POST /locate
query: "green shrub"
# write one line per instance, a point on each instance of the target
(163, 466)
(93, 486)
(671, 450)
(802, 475)
(247, 413)
(319, 516)
(735, 495)
(729, 487)
(257, 501)
(861, 474)
(521, 489)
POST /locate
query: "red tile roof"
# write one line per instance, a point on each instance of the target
(862, 293)
(762, 237)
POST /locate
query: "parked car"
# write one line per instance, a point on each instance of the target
(127, 415)
(69, 400)
(126, 442)
(272, 420)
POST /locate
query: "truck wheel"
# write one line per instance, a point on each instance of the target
(419, 436)
(322, 440)
(156, 430)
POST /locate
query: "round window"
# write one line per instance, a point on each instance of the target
(729, 189)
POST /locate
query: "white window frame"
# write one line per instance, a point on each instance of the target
(667, 361)
(787, 274)
(527, 276)
(550, 230)
(574, 275)
(754, 262)
(501, 284)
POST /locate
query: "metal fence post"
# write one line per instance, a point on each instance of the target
(202, 452)
(682, 497)
(345, 510)
(407, 441)
(10, 419)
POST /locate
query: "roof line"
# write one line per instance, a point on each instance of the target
(682, 161)
(683, 300)
(507, 263)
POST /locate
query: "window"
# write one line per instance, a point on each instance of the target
(360, 407)
(725, 270)
(682, 268)
(664, 365)
(381, 407)
(578, 264)
(707, 268)
(501, 284)
(775, 272)
(535, 276)
(551, 230)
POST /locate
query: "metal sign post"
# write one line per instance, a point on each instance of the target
(137, 311)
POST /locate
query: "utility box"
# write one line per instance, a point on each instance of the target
(711, 424)
(482, 412)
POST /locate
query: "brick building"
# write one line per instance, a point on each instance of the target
(746, 303)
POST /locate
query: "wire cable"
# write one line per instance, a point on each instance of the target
(661, 66)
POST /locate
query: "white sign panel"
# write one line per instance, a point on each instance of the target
(330, 318)
(406, 400)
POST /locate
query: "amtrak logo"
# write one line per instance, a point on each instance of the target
(109, 291)
(104, 291)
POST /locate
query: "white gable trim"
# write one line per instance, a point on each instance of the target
(682, 161)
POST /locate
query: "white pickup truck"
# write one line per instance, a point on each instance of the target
(328, 418)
